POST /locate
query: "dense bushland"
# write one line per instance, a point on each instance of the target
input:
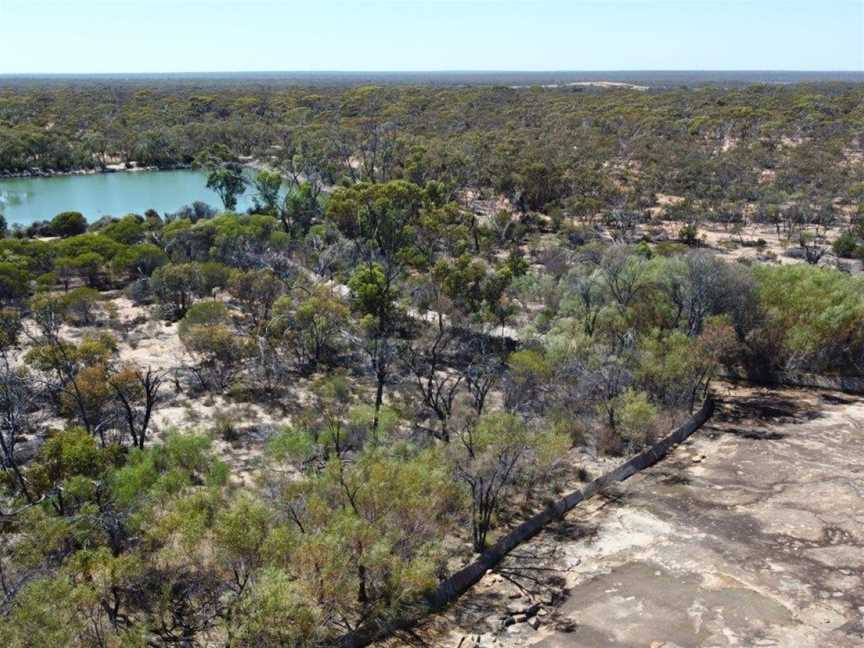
(435, 365)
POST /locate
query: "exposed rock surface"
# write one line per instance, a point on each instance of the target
(749, 534)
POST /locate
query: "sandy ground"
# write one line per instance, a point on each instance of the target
(147, 341)
(776, 247)
(749, 534)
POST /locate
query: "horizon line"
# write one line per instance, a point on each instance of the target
(448, 71)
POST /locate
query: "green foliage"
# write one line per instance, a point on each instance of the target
(278, 613)
(267, 187)
(13, 282)
(140, 260)
(90, 243)
(93, 349)
(128, 230)
(158, 472)
(206, 332)
(529, 371)
(496, 457)
(71, 459)
(355, 521)
(43, 616)
(10, 328)
(66, 224)
(381, 216)
(178, 284)
(674, 366)
(224, 174)
(205, 313)
(300, 207)
(816, 314)
(89, 265)
(80, 305)
(636, 415)
(846, 245)
(174, 284)
(474, 287)
(433, 225)
(256, 291)
(311, 327)
(371, 293)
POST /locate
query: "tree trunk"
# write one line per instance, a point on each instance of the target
(379, 399)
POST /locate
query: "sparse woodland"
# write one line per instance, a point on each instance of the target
(449, 305)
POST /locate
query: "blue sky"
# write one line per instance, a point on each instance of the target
(92, 36)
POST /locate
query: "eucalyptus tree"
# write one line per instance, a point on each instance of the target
(224, 174)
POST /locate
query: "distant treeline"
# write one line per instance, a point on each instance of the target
(651, 78)
(574, 150)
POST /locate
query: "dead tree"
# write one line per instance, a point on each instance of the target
(483, 371)
(17, 401)
(426, 359)
(137, 392)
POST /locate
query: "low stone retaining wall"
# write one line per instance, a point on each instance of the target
(460, 582)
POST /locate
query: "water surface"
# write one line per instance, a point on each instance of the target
(24, 200)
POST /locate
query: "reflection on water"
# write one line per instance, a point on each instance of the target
(25, 200)
(12, 198)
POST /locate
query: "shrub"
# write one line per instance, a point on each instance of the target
(224, 428)
(845, 245)
(528, 371)
(128, 230)
(140, 260)
(46, 281)
(210, 276)
(814, 318)
(10, 327)
(172, 284)
(89, 264)
(636, 417)
(81, 303)
(14, 282)
(206, 313)
(84, 243)
(689, 234)
(219, 352)
(66, 224)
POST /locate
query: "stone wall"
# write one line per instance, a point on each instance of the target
(460, 582)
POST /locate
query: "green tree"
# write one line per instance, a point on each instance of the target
(312, 326)
(256, 291)
(494, 457)
(299, 209)
(224, 174)
(207, 334)
(174, 284)
(89, 265)
(140, 260)
(14, 283)
(127, 230)
(268, 184)
(373, 298)
(66, 224)
(354, 554)
(381, 219)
